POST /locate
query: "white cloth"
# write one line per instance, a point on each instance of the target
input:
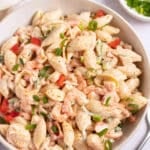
(143, 30)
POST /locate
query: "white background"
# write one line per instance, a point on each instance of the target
(143, 30)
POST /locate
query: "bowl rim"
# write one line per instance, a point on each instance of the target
(9, 4)
(11, 147)
(132, 12)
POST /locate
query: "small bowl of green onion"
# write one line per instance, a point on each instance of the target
(139, 9)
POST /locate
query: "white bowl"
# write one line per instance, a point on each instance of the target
(23, 15)
(4, 4)
(132, 12)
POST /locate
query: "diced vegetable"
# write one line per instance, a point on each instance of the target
(36, 41)
(4, 110)
(92, 25)
(21, 61)
(30, 127)
(107, 101)
(16, 48)
(141, 6)
(81, 59)
(96, 118)
(45, 99)
(81, 26)
(100, 13)
(1, 59)
(15, 67)
(2, 120)
(108, 145)
(33, 109)
(4, 107)
(62, 44)
(134, 108)
(61, 80)
(55, 129)
(103, 132)
(91, 72)
(43, 73)
(62, 35)
(58, 51)
(10, 116)
(129, 99)
(113, 44)
(44, 115)
(36, 98)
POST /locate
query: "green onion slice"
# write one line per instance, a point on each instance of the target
(58, 52)
(108, 145)
(55, 129)
(15, 67)
(107, 101)
(103, 132)
(45, 99)
(62, 35)
(43, 73)
(96, 118)
(92, 25)
(1, 59)
(36, 98)
(30, 127)
(21, 61)
(134, 108)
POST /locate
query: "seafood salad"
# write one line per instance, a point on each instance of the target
(68, 82)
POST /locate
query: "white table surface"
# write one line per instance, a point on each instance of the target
(143, 30)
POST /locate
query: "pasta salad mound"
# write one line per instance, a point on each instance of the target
(68, 83)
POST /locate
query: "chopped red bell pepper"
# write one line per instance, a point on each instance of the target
(16, 48)
(36, 41)
(100, 13)
(14, 113)
(60, 81)
(10, 116)
(4, 110)
(4, 107)
(115, 43)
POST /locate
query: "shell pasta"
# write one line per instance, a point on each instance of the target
(68, 83)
